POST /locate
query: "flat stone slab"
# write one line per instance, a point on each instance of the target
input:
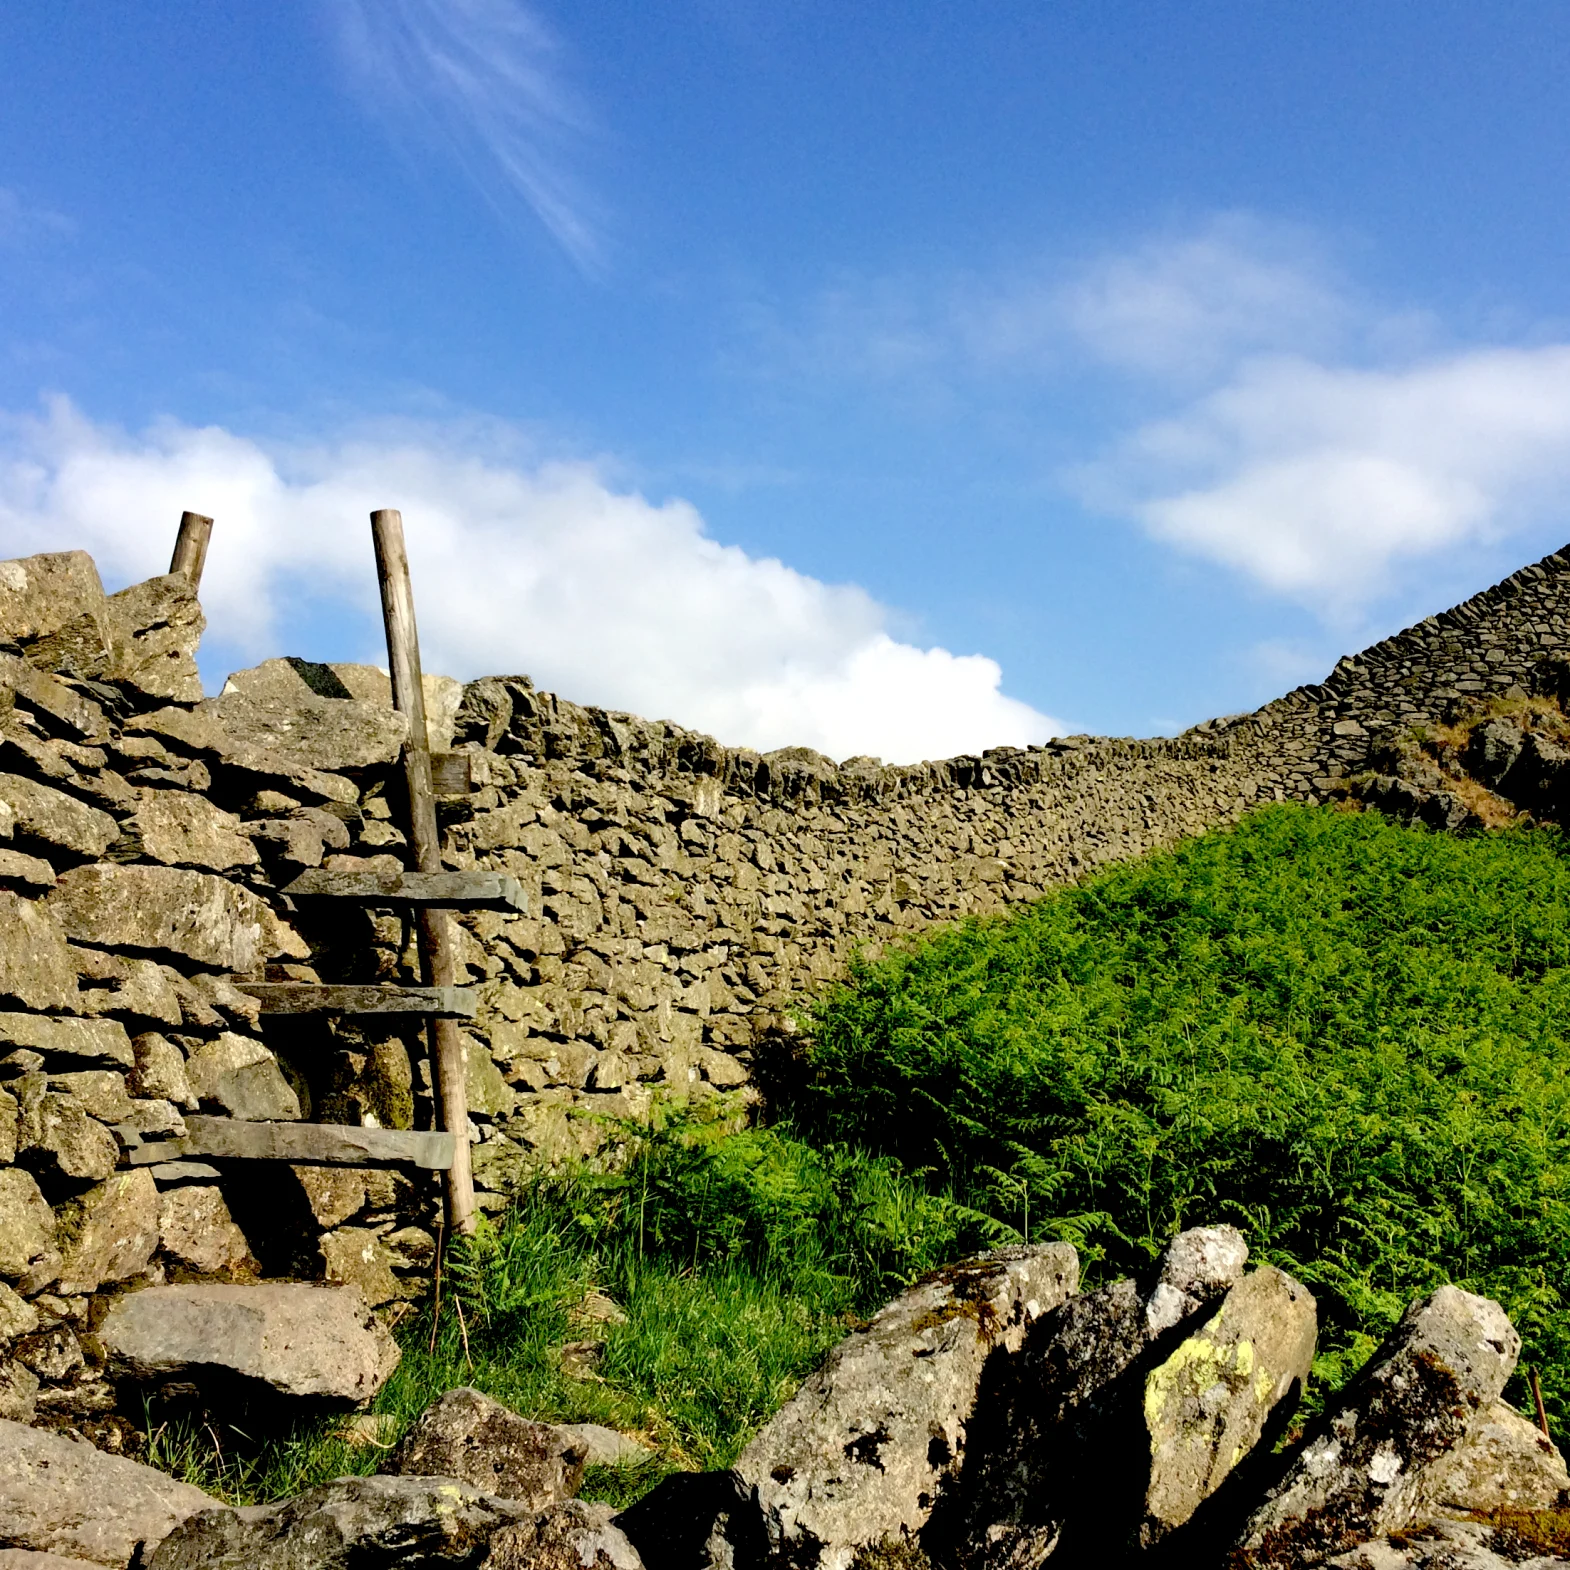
(62, 1497)
(317, 1144)
(316, 1343)
(449, 890)
(299, 997)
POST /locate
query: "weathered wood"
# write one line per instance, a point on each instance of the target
(438, 948)
(305, 1144)
(452, 773)
(447, 890)
(299, 997)
(190, 547)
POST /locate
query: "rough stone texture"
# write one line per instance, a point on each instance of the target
(314, 1342)
(170, 911)
(467, 1435)
(1505, 1462)
(603, 1446)
(195, 1229)
(357, 1257)
(18, 1392)
(154, 628)
(1361, 1473)
(864, 1448)
(27, 1224)
(53, 607)
(116, 1233)
(32, 872)
(17, 1315)
(36, 967)
(240, 1076)
(62, 1140)
(1448, 1545)
(572, 1536)
(160, 1071)
(50, 819)
(1207, 1404)
(69, 1043)
(356, 1523)
(24, 1559)
(186, 831)
(61, 1496)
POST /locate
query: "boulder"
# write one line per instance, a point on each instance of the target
(37, 968)
(53, 608)
(1207, 1404)
(242, 1077)
(467, 1435)
(27, 1224)
(53, 821)
(356, 1523)
(318, 1343)
(195, 1229)
(68, 1043)
(61, 1496)
(115, 1233)
(870, 1440)
(181, 830)
(168, 910)
(570, 1536)
(1361, 1472)
(1505, 1462)
(154, 629)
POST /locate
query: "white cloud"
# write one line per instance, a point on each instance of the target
(1316, 480)
(22, 222)
(483, 79)
(598, 594)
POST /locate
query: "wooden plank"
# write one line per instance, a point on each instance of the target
(452, 773)
(438, 945)
(296, 997)
(447, 890)
(305, 1144)
(190, 547)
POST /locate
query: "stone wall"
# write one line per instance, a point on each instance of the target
(686, 899)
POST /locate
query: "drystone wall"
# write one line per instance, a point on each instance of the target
(686, 900)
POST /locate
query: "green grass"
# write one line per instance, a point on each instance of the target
(1346, 1037)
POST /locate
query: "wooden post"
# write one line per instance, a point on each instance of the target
(190, 547)
(438, 952)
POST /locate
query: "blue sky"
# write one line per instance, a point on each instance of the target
(893, 379)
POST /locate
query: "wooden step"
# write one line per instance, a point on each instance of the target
(450, 890)
(304, 1144)
(299, 997)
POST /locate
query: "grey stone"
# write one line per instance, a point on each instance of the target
(169, 910)
(1447, 1545)
(61, 1496)
(18, 1392)
(242, 1077)
(50, 818)
(308, 731)
(115, 1233)
(154, 629)
(53, 607)
(181, 830)
(312, 1342)
(1361, 1471)
(132, 988)
(1493, 748)
(867, 1444)
(25, 1559)
(27, 1224)
(31, 872)
(52, 1353)
(467, 1435)
(37, 968)
(569, 1536)
(1504, 1462)
(195, 1229)
(100, 1092)
(160, 1071)
(603, 1446)
(357, 1257)
(58, 707)
(64, 1138)
(356, 1523)
(18, 1317)
(69, 1043)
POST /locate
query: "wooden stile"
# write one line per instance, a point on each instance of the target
(438, 951)
(190, 547)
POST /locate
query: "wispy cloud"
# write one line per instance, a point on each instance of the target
(23, 222)
(599, 593)
(483, 79)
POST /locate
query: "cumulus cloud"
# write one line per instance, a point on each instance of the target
(482, 79)
(598, 593)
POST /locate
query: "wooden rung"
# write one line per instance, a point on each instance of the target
(298, 997)
(305, 1144)
(447, 890)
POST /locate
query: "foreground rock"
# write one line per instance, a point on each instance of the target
(1361, 1474)
(61, 1496)
(867, 1445)
(469, 1436)
(1504, 1463)
(317, 1343)
(356, 1523)
(1455, 1545)
(572, 1536)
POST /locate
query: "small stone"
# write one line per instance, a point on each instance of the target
(68, 1140)
(311, 1342)
(306, 730)
(160, 1071)
(243, 1078)
(47, 817)
(127, 986)
(69, 1043)
(188, 831)
(18, 1317)
(356, 1256)
(410, 1248)
(582, 1359)
(40, 596)
(597, 1309)
(370, 1431)
(117, 1234)
(27, 1224)
(52, 1354)
(569, 1536)
(18, 1392)
(29, 871)
(604, 1446)
(196, 1229)
(100, 1092)
(333, 1193)
(469, 1436)
(1505, 1462)
(36, 965)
